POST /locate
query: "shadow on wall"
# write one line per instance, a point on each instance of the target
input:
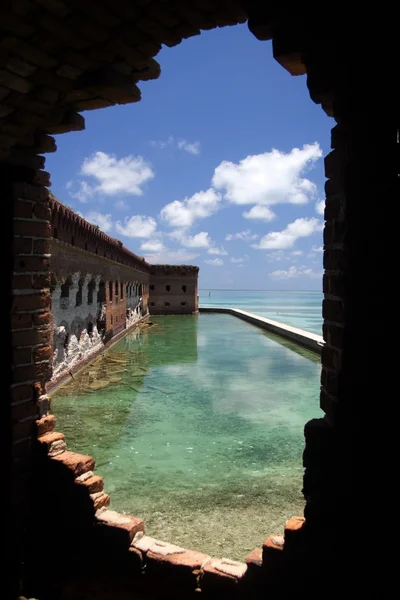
(68, 547)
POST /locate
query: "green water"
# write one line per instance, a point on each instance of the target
(196, 425)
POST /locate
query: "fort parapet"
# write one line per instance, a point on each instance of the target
(99, 289)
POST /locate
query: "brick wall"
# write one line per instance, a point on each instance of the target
(173, 290)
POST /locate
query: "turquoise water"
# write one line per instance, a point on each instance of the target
(196, 425)
(300, 309)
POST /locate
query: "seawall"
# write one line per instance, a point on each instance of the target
(308, 340)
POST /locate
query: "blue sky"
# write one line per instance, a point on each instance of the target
(220, 165)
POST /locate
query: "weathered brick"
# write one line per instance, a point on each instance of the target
(31, 302)
(330, 357)
(293, 532)
(336, 336)
(22, 245)
(22, 356)
(15, 82)
(32, 228)
(329, 381)
(22, 282)
(22, 209)
(220, 576)
(21, 450)
(328, 233)
(30, 337)
(40, 371)
(21, 321)
(334, 260)
(45, 424)
(41, 246)
(273, 556)
(333, 310)
(22, 393)
(23, 429)
(42, 178)
(334, 207)
(24, 410)
(337, 286)
(31, 263)
(122, 528)
(182, 566)
(42, 211)
(76, 463)
(41, 319)
(93, 484)
(100, 500)
(41, 281)
(42, 353)
(30, 191)
(329, 405)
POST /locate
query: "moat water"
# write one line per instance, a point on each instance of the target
(196, 425)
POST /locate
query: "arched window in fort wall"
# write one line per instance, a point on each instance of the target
(101, 294)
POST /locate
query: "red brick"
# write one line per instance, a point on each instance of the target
(330, 357)
(93, 484)
(120, 526)
(23, 429)
(333, 310)
(22, 282)
(45, 424)
(30, 192)
(337, 286)
(31, 263)
(42, 353)
(336, 336)
(215, 581)
(272, 556)
(32, 228)
(49, 438)
(22, 356)
(21, 393)
(42, 178)
(101, 501)
(30, 337)
(41, 371)
(329, 405)
(42, 211)
(22, 210)
(41, 246)
(41, 281)
(22, 245)
(76, 463)
(182, 567)
(41, 319)
(21, 450)
(28, 302)
(25, 410)
(293, 530)
(334, 260)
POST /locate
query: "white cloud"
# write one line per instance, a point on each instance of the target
(280, 240)
(200, 240)
(103, 221)
(276, 256)
(245, 236)
(240, 260)
(84, 192)
(317, 248)
(297, 253)
(191, 147)
(294, 272)
(260, 213)
(152, 245)
(220, 251)
(69, 184)
(120, 204)
(183, 213)
(270, 178)
(114, 175)
(136, 226)
(320, 207)
(181, 144)
(172, 257)
(215, 262)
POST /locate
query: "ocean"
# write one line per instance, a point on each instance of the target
(299, 309)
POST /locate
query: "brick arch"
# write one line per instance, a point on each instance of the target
(58, 59)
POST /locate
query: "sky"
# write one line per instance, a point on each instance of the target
(220, 165)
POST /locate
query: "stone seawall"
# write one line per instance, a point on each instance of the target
(308, 340)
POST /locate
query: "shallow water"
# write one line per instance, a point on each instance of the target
(196, 425)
